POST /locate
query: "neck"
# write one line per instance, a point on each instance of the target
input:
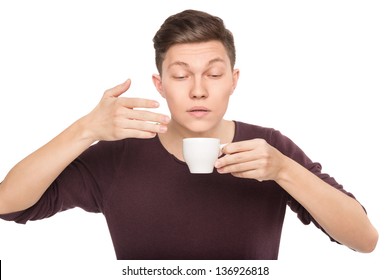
(173, 138)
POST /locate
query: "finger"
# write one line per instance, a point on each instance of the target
(135, 102)
(245, 170)
(118, 90)
(134, 133)
(239, 167)
(235, 158)
(250, 174)
(143, 115)
(142, 126)
(240, 146)
(148, 116)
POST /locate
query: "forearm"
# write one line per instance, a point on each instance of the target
(341, 216)
(112, 119)
(29, 179)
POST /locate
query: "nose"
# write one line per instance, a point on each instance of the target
(198, 90)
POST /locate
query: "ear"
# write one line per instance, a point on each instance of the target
(236, 75)
(158, 84)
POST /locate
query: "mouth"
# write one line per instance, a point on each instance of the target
(198, 111)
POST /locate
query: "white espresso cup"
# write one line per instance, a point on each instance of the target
(200, 154)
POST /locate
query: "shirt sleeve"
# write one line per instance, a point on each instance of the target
(290, 149)
(81, 184)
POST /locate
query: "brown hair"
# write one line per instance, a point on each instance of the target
(191, 26)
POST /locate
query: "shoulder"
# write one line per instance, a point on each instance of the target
(274, 137)
(246, 131)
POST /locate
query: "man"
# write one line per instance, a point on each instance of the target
(136, 177)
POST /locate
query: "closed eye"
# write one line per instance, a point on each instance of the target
(179, 77)
(215, 76)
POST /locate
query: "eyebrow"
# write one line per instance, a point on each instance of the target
(186, 65)
(179, 63)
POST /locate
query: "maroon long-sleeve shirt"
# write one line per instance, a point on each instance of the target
(156, 209)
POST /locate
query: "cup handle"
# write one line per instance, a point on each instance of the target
(220, 149)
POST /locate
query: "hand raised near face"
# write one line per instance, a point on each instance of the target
(253, 159)
(117, 117)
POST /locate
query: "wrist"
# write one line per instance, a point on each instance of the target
(286, 169)
(82, 128)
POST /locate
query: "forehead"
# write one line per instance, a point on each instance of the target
(196, 54)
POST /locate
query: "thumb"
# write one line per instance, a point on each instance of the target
(118, 90)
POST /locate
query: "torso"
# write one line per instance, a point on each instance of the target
(158, 210)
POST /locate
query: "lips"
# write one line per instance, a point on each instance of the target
(198, 111)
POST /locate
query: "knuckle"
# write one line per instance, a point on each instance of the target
(140, 102)
(116, 113)
(235, 168)
(117, 134)
(226, 160)
(107, 93)
(123, 102)
(260, 141)
(150, 127)
(239, 157)
(116, 122)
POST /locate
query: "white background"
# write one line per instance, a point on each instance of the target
(319, 71)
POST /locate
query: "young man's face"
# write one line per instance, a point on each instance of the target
(197, 81)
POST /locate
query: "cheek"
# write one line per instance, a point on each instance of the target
(223, 101)
(222, 94)
(222, 104)
(223, 87)
(175, 91)
(176, 101)
(172, 89)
